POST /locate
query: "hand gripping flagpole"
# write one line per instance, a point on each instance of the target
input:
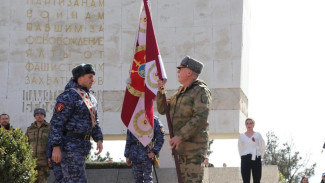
(171, 134)
(152, 53)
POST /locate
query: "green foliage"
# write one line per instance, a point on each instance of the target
(16, 158)
(282, 179)
(99, 158)
(291, 165)
(209, 150)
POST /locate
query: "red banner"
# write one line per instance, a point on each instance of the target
(147, 68)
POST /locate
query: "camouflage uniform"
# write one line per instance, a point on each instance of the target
(71, 120)
(37, 138)
(189, 112)
(138, 155)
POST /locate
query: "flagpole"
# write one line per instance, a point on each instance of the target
(153, 54)
(171, 134)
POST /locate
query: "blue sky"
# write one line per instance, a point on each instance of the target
(286, 90)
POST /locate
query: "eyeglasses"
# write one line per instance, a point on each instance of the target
(249, 123)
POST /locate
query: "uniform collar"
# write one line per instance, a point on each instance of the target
(74, 84)
(194, 83)
(43, 124)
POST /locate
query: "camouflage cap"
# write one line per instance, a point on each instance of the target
(39, 111)
(81, 70)
(192, 64)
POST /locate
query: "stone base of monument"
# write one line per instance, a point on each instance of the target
(168, 175)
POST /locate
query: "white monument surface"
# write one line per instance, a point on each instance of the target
(42, 40)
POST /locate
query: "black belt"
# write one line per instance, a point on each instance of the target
(77, 135)
(138, 143)
(250, 155)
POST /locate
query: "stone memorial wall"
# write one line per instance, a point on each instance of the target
(42, 40)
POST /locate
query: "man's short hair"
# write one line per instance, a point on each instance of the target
(3, 114)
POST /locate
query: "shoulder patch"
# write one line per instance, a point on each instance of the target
(59, 107)
(204, 98)
(205, 95)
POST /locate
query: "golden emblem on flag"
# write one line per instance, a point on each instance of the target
(141, 124)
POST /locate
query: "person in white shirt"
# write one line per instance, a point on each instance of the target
(251, 147)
